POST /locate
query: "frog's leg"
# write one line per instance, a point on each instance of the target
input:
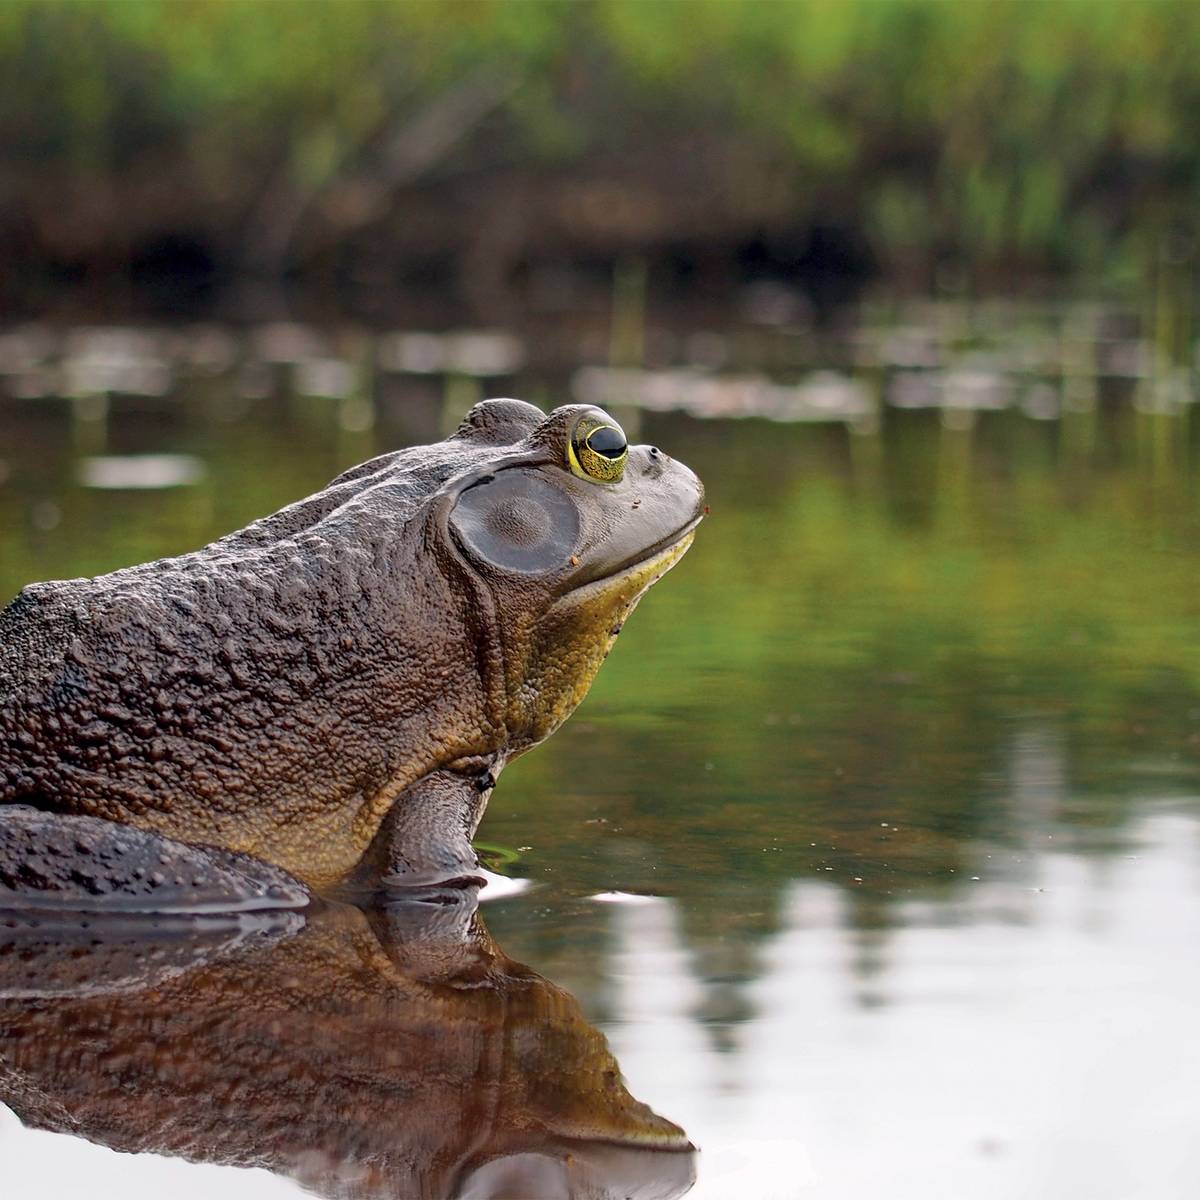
(425, 839)
(73, 863)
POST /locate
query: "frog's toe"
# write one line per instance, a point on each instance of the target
(73, 863)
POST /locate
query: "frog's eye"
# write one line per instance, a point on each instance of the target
(598, 451)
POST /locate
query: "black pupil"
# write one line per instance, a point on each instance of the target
(607, 441)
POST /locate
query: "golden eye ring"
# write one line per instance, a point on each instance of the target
(598, 451)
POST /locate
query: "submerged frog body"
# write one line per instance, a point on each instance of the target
(335, 688)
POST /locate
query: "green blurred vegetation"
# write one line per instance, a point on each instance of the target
(407, 148)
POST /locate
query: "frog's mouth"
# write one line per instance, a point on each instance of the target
(656, 560)
(641, 571)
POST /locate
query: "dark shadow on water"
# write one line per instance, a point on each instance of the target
(396, 1054)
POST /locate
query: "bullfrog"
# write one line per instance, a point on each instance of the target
(333, 690)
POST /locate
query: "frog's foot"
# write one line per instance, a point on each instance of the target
(424, 843)
(84, 864)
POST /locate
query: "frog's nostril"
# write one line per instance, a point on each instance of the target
(655, 463)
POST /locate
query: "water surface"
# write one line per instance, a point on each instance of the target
(874, 852)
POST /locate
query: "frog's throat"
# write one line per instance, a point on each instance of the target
(568, 644)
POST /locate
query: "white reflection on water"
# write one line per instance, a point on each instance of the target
(47, 1166)
(1035, 1038)
(140, 472)
(1053, 1056)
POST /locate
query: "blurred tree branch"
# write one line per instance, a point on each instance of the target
(361, 181)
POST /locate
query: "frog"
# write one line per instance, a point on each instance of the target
(323, 701)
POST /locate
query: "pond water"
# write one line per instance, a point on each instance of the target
(873, 855)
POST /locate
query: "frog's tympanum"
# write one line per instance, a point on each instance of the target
(334, 689)
(395, 1056)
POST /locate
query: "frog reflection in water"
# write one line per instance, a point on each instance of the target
(334, 689)
(392, 1056)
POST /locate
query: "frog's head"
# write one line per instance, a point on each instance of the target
(562, 529)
